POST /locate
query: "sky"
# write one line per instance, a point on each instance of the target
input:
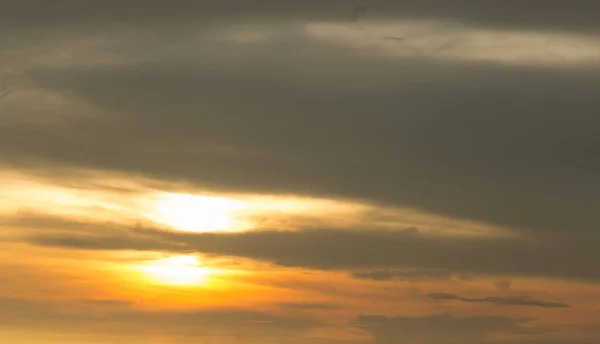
(309, 172)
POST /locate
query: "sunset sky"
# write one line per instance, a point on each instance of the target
(302, 172)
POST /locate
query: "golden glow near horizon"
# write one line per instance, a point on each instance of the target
(138, 282)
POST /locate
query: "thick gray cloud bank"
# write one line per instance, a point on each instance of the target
(543, 14)
(264, 105)
(514, 146)
(350, 250)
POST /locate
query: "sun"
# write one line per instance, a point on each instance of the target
(198, 213)
(178, 271)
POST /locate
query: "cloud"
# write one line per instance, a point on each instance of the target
(442, 328)
(503, 285)
(540, 14)
(451, 41)
(310, 306)
(105, 321)
(114, 320)
(356, 250)
(414, 133)
(505, 301)
(267, 97)
(403, 275)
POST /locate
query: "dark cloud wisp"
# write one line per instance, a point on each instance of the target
(505, 301)
(354, 250)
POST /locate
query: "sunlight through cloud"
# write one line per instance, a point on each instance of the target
(198, 213)
(178, 271)
(452, 41)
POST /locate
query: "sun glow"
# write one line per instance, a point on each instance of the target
(198, 213)
(178, 271)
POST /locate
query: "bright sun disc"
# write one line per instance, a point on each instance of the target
(180, 271)
(198, 213)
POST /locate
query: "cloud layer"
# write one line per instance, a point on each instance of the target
(461, 141)
(403, 132)
(349, 249)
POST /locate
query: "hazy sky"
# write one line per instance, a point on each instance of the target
(310, 172)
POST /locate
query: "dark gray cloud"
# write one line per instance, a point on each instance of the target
(443, 328)
(354, 250)
(404, 275)
(294, 115)
(540, 14)
(506, 301)
(28, 221)
(326, 122)
(310, 305)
